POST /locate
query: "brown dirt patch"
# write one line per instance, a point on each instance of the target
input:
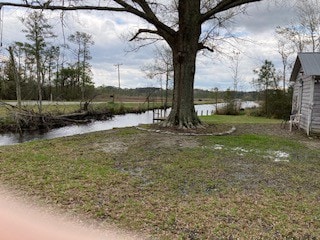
(113, 147)
(312, 142)
(169, 141)
(213, 129)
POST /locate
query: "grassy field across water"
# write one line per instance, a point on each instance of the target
(260, 182)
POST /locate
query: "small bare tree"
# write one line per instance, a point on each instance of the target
(285, 50)
(304, 32)
(234, 65)
(309, 19)
(162, 66)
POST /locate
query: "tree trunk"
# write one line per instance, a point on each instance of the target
(167, 87)
(16, 78)
(39, 82)
(184, 51)
(183, 114)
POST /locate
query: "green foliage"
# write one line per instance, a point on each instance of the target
(42, 67)
(267, 77)
(275, 102)
(82, 42)
(278, 105)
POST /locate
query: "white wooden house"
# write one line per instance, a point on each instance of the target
(305, 78)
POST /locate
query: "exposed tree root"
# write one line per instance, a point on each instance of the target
(188, 122)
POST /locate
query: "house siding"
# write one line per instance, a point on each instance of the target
(305, 101)
(315, 127)
(295, 97)
(306, 91)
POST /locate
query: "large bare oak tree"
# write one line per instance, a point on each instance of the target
(183, 24)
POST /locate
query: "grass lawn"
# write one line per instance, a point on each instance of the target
(238, 119)
(260, 182)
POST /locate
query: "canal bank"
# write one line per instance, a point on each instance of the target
(118, 121)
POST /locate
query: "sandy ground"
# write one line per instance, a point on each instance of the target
(22, 219)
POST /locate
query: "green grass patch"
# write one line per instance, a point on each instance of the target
(238, 119)
(245, 186)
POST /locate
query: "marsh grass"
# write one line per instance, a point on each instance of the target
(176, 187)
(8, 114)
(65, 107)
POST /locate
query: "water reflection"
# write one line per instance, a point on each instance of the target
(119, 121)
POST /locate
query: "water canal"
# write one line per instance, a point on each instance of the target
(118, 121)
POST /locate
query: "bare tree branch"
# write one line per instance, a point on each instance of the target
(137, 48)
(63, 8)
(164, 30)
(145, 12)
(223, 6)
(202, 46)
(144, 31)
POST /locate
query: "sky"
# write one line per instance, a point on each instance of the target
(111, 31)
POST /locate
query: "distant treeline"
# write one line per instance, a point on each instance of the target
(107, 92)
(152, 92)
